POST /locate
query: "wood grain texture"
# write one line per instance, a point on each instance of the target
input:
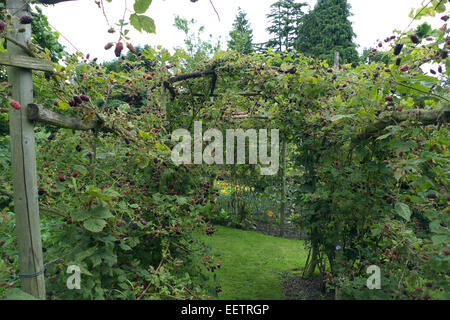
(22, 61)
(23, 163)
(39, 113)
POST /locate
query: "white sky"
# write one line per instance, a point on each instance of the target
(83, 23)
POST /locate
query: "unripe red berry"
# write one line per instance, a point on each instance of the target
(2, 25)
(109, 45)
(119, 48)
(15, 105)
(131, 48)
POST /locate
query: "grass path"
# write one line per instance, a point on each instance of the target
(253, 263)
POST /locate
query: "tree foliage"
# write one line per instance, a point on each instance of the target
(241, 35)
(284, 18)
(325, 30)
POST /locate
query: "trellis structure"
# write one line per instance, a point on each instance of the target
(23, 151)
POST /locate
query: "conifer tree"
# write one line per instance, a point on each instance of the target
(285, 18)
(327, 29)
(241, 36)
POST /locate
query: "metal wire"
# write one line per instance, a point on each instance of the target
(33, 275)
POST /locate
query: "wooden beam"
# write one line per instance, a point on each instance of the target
(425, 117)
(22, 61)
(39, 113)
(23, 162)
(192, 75)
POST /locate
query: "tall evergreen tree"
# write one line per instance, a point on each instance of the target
(241, 36)
(325, 30)
(285, 18)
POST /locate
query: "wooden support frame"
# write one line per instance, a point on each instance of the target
(39, 113)
(23, 161)
(21, 61)
(424, 117)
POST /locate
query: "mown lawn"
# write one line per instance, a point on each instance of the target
(253, 263)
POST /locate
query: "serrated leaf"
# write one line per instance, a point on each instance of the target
(441, 238)
(101, 213)
(96, 260)
(142, 162)
(79, 169)
(124, 246)
(403, 211)
(80, 216)
(94, 225)
(141, 6)
(342, 116)
(140, 22)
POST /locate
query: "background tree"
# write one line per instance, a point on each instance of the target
(285, 18)
(326, 29)
(241, 36)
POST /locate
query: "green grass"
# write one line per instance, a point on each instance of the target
(253, 263)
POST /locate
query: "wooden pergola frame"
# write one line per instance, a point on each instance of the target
(23, 153)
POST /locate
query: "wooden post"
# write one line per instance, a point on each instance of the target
(283, 191)
(23, 162)
(336, 59)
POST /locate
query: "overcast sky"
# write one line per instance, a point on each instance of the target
(84, 25)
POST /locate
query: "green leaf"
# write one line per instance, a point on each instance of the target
(342, 116)
(94, 224)
(141, 6)
(140, 22)
(17, 294)
(124, 246)
(403, 211)
(79, 169)
(441, 238)
(80, 216)
(101, 213)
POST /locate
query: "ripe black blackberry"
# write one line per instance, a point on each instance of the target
(26, 20)
(77, 100)
(414, 39)
(398, 49)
